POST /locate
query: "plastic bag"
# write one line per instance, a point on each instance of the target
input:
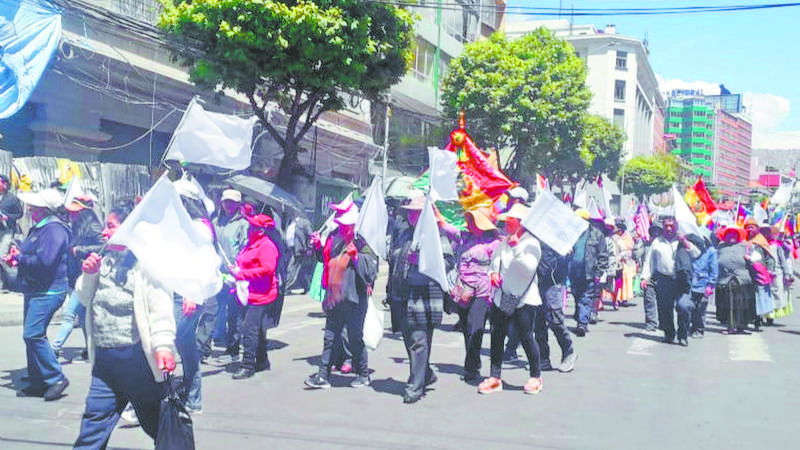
(242, 291)
(175, 430)
(373, 326)
(315, 290)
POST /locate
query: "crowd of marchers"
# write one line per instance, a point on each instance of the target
(500, 274)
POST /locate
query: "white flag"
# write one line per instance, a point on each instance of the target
(426, 238)
(554, 223)
(211, 138)
(443, 174)
(782, 194)
(759, 214)
(687, 221)
(176, 250)
(373, 218)
(580, 197)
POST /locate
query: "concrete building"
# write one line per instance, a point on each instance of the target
(713, 134)
(623, 84)
(442, 31)
(112, 94)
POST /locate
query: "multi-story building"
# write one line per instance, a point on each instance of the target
(623, 85)
(442, 31)
(691, 121)
(713, 134)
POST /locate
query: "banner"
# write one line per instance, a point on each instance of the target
(554, 223)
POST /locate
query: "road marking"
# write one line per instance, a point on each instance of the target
(748, 348)
(641, 346)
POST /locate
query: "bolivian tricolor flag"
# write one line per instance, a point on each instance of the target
(699, 200)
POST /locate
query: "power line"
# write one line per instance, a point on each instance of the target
(547, 11)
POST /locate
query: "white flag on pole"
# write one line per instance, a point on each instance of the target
(373, 218)
(211, 138)
(759, 214)
(554, 223)
(782, 194)
(73, 190)
(443, 174)
(580, 197)
(176, 250)
(687, 221)
(426, 238)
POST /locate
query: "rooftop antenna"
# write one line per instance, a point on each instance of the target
(559, 8)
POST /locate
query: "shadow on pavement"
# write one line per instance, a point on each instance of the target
(12, 379)
(27, 442)
(313, 361)
(272, 344)
(388, 386)
(637, 325)
(795, 332)
(649, 337)
(316, 315)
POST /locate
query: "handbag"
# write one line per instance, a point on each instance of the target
(242, 291)
(315, 290)
(509, 302)
(337, 267)
(175, 429)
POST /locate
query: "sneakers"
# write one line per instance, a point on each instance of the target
(471, 377)
(490, 386)
(510, 357)
(580, 331)
(697, 335)
(243, 373)
(56, 391)
(545, 365)
(683, 342)
(129, 415)
(360, 381)
(194, 411)
(568, 363)
(317, 381)
(533, 386)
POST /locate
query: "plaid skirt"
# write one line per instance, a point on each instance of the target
(425, 306)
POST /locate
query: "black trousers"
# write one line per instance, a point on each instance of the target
(254, 338)
(668, 295)
(551, 315)
(418, 345)
(523, 318)
(352, 315)
(473, 322)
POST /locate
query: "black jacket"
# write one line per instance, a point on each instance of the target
(11, 209)
(86, 238)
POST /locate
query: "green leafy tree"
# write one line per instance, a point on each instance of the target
(601, 148)
(309, 57)
(647, 175)
(528, 94)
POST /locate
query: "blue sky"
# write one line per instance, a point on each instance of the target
(755, 53)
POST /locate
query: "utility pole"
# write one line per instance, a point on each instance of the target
(386, 139)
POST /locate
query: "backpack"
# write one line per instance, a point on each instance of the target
(553, 268)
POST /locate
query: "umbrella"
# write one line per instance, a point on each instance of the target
(266, 192)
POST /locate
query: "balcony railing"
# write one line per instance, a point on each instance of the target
(143, 10)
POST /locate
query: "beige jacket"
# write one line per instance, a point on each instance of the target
(152, 308)
(517, 268)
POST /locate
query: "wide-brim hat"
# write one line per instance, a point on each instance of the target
(518, 192)
(582, 213)
(80, 203)
(725, 230)
(482, 219)
(49, 198)
(416, 203)
(517, 211)
(349, 217)
(260, 221)
(342, 206)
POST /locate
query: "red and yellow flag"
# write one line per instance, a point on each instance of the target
(699, 200)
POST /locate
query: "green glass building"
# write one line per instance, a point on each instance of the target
(690, 120)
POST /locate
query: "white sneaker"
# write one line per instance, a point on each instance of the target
(129, 415)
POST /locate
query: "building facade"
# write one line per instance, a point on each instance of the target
(691, 121)
(623, 85)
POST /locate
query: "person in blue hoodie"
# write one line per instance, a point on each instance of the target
(706, 271)
(42, 262)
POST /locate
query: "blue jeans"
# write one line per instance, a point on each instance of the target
(73, 308)
(43, 367)
(586, 294)
(186, 344)
(120, 375)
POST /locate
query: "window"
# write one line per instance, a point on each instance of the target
(619, 118)
(619, 90)
(622, 60)
(423, 60)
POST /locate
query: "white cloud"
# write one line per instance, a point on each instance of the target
(767, 112)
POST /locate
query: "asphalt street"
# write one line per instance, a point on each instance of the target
(628, 391)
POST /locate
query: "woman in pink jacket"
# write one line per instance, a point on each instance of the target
(256, 264)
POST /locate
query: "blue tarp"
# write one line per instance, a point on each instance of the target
(29, 34)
